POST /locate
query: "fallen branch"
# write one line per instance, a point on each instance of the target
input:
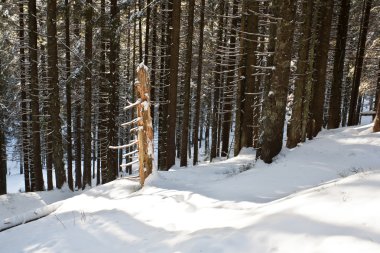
(28, 216)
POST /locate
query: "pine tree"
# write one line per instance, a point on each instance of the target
(186, 107)
(199, 84)
(353, 114)
(173, 66)
(321, 57)
(34, 96)
(274, 113)
(334, 118)
(54, 107)
(295, 123)
(87, 95)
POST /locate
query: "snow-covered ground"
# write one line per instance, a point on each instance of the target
(323, 196)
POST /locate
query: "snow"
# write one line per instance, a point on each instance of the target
(323, 196)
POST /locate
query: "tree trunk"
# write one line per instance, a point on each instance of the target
(87, 96)
(295, 123)
(3, 153)
(78, 105)
(113, 88)
(24, 117)
(340, 53)
(274, 114)
(364, 25)
(227, 106)
(218, 80)
(34, 97)
(251, 119)
(173, 66)
(186, 107)
(68, 98)
(199, 84)
(322, 49)
(54, 108)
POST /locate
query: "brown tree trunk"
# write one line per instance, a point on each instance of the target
(376, 124)
(295, 123)
(251, 119)
(186, 106)
(353, 113)
(322, 49)
(78, 105)
(240, 90)
(173, 66)
(340, 53)
(227, 106)
(3, 153)
(103, 97)
(34, 97)
(24, 117)
(113, 88)
(68, 98)
(54, 107)
(274, 113)
(87, 95)
(218, 80)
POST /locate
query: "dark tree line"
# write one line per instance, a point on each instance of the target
(225, 75)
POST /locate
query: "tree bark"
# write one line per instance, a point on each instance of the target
(199, 84)
(251, 119)
(340, 53)
(218, 80)
(295, 123)
(34, 97)
(322, 49)
(24, 117)
(274, 114)
(87, 95)
(68, 97)
(113, 88)
(173, 66)
(353, 118)
(227, 105)
(187, 91)
(54, 108)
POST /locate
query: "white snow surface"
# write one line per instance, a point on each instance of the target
(323, 196)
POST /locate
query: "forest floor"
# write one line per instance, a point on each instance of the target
(323, 196)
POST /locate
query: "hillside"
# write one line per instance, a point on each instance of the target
(323, 196)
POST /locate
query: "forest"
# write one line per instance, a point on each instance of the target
(223, 76)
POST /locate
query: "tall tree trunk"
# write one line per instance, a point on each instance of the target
(376, 125)
(364, 25)
(147, 31)
(218, 80)
(78, 104)
(52, 52)
(34, 96)
(173, 66)
(113, 88)
(24, 117)
(274, 113)
(199, 83)
(68, 97)
(322, 50)
(295, 123)
(3, 153)
(87, 96)
(240, 90)
(340, 53)
(103, 97)
(186, 106)
(250, 121)
(227, 105)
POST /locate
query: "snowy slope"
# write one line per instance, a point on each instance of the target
(306, 201)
